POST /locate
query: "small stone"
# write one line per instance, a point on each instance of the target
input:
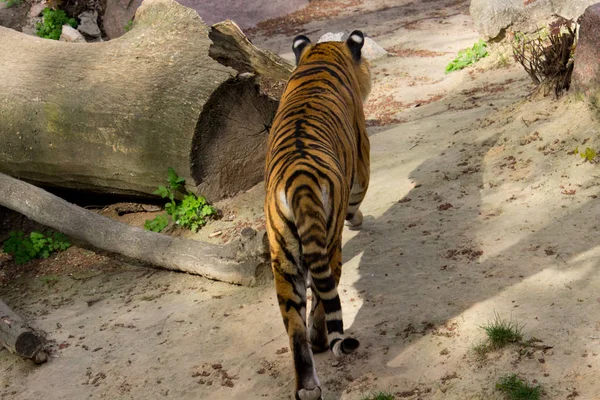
(88, 24)
(70, 34)
(248, 233)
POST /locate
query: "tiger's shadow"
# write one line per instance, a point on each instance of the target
(421, 264)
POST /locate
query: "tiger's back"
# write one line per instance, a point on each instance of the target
(317, 173)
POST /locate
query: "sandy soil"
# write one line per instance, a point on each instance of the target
(476, 206)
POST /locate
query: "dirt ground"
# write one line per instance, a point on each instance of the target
(477, 206)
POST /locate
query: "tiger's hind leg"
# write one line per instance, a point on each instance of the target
(317, 325)
(292, 303)
(290, 285)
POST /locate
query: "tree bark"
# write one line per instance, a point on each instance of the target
(239, 263)
(112, 117)
(18, 337)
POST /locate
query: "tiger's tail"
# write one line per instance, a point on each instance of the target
(310, 218)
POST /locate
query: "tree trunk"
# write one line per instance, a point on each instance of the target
(18, 337)
(112, 117)
(239, 263)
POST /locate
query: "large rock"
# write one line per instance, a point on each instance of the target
(586, 74)
(492, 17)
(246, 13)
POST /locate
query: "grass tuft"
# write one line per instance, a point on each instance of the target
(517, 389)
(501, 332)
(379, 396)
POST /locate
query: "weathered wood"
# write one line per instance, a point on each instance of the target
(114, 116)
(232, 48)
(212, 261)
(18, 337)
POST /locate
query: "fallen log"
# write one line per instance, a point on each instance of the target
(112, 117)
(240, 263)
(19, 338)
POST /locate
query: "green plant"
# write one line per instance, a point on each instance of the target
(501, 332)
(157, 224)
(589, 154)
(51, 27)
(191, 212)
(10, 3)
(37, 245)
(379, 396)
(516, 389)
(128, 25)
(468, 56)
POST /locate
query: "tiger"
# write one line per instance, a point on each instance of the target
(316, 177)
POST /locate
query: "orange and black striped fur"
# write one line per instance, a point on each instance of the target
(317, 174)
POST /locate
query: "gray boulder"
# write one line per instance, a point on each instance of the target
(492, 17)
(586, 73)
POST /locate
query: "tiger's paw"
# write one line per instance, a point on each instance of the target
(344, 346)
(355, 223)
(309, 394)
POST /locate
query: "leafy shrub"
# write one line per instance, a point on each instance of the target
(191, 212)
(37, 245)
(468, 56)
(128, 25)
(51, 27)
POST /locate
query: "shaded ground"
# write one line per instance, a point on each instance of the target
(477, 205)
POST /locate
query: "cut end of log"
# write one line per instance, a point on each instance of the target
(28, 345)
(228, 153)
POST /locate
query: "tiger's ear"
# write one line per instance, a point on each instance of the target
(355, 42)
(299, 44)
